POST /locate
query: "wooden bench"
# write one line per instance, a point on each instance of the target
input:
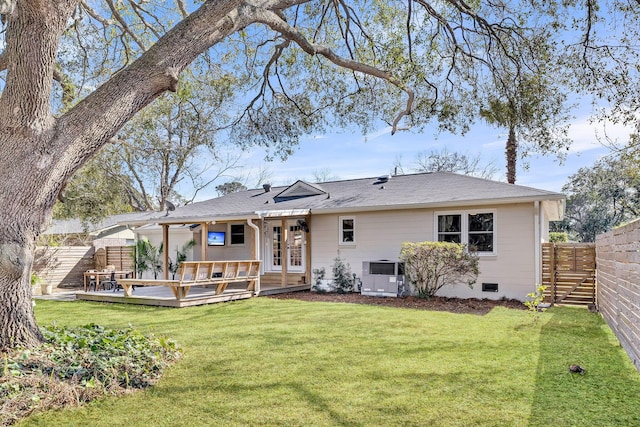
(202, 273)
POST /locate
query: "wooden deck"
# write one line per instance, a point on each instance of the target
(163, 297)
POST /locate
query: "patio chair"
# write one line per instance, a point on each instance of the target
(110, 282)
(92, 281)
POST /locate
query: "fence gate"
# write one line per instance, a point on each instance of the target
(569, 273)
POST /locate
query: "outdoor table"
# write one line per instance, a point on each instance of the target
(107, 274)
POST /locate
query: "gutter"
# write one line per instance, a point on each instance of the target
(537, 243)
(256, 244)
(447, 204)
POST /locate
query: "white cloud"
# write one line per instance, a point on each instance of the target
(588, 135)
(377, 134)
(494, 145)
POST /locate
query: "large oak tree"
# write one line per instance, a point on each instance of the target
(75, 71)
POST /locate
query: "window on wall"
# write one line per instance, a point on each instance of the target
(477, 230)
(450, 228)
(237, 234)
(347, 230)
(481, 232)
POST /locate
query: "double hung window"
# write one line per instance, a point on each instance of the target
(347, 232)
(237, 234)
(476, 230)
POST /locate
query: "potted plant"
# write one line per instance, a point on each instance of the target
(181, 256)
(45, 287)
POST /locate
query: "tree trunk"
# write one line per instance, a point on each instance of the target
(512, 155)
(17, 320)
(40, 153)
(31, 174)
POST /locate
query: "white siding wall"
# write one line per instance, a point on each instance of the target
(226, 252)
(379, 235)
(177, 238)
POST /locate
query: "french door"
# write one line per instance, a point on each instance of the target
(289, 247)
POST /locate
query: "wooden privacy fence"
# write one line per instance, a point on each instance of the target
(63, 266)
(619, 285)
(569, 273)
(119, 256)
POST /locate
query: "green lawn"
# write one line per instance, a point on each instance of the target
(284, 362)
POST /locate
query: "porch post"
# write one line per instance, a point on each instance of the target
(204, 228)
(255, 251)
(165, 254)
(308, 270)
(285, 251)
(537, 247)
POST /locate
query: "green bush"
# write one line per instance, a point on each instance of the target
(76, 365)
(342, 276)
(534, 300)
(558, 237)
(318, 277)
(431, 265)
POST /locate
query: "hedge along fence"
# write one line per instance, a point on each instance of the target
(618, 290)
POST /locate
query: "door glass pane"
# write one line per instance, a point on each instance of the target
(295, 246)
(277, 246)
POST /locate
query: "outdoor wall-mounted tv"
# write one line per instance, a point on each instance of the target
(215, 238)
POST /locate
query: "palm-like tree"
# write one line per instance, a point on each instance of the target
(505, 114)
(533, 110)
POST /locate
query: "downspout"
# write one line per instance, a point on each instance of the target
(538, 242)
(256, 250)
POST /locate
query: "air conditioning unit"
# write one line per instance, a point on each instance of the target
(382, 278)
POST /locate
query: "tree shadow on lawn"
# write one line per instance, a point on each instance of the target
(607, 394)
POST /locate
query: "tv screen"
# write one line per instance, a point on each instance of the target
(215, 238)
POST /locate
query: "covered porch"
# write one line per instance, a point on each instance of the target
(280, 240)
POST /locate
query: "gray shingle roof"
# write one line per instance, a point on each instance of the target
(76, 226)
(435, 189)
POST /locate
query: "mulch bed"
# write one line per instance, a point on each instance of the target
(453, 305)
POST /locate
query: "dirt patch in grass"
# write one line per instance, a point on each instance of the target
(453, 305)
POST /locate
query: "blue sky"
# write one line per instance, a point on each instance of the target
(355, 156)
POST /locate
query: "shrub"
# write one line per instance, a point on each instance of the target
(318, 277)
(533, 303)
(558, 237)
(431, 265)
(79, 364)
(342, 276)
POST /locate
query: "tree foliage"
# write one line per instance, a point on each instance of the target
(76, 72)
(98, 190)
(429, 266)
(448, 161)
(597, 53)
(534, 112)
(601, 197)
(230, 187)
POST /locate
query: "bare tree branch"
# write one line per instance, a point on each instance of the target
(124, 25)
(276, 23)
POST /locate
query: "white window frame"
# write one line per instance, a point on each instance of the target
(464, 227)
(341, 230)
(244, 232)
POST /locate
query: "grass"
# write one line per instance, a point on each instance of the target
(285, 362)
